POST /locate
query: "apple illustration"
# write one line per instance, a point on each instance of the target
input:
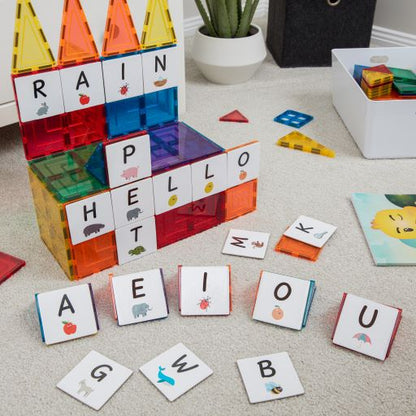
(84, 99)
(243, 175)
(69, 328)
(277, 313)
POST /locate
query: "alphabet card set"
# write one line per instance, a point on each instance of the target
(269, 377)
(305, 238)
(246, 244)
(94, 380)
(283, 300)
(366, 326)
(176, 371)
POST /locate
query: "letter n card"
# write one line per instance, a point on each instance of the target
(139, 297)
(67, 314)
(366, 327)
(176, 371)
(269, 377)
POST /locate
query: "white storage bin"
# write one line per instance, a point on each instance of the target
(381, 129)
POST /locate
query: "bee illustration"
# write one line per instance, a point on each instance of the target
(273, 388)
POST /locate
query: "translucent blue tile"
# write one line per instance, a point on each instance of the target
(161, 107)
(293, 118)
(96, 165)
(358, 72)
(177, 144)
(125, 116)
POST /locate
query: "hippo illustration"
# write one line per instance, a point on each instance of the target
(133, 213)
(43, 110)
(140, 309)
(137, 250)
(93, 228)
(130, 173)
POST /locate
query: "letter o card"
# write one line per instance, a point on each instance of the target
(269, 377)
(139, 297)
(366, 327)
(66, 314)
(243, 164)
(94, 380)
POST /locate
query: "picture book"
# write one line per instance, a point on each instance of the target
(389, 225)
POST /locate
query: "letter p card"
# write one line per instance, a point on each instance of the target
(67, 314)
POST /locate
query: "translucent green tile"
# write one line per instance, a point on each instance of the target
(403, 75)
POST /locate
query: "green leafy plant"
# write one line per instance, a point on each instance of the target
(227, 18)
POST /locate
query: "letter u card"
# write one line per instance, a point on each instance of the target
(176, 371)
(94, 380)
(269, 377)
(283, 300)
(67, 314)
(366, 326)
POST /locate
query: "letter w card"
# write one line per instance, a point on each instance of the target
(246, 244)
(176, 371)
(94, 380)
(269, 377)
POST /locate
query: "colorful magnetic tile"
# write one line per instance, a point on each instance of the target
(9, 265)
(298, 141)
(293, 118)
(65, 176)
(94, 380)
(44, 137)
(93, 256)
(177, 144)
(127, 160)
(31, 51)
(234, 117)
(76, 44)
(375, 92)
(67, 314)
(269, 377)
(191, 219)
(158, 28)
(403, 75)
(175, 371)
(204, 291)
(297, 248)
(133, 202)
(310, 231)
(283, 300)
(125, 117)
(120, 36)
(139, 297)
(377, 76)
(244, 243)
(136, 240)
(404, 88)
(358, 71)
(161, 108)
(96, 165)
(240, 200)
(366, 326)
(243, 163)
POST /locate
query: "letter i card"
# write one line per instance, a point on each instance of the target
(94, 380)
(176, 371)
(269, 377)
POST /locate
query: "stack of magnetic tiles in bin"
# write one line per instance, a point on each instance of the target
(382, 82)
(114, 175)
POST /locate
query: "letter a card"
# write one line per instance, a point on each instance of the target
(176, 371)
(139, 297)
(246, 244)
(67, 314)
(94, 380)
(269, 377)
(366, 327)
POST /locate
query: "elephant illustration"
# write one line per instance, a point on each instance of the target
(140, 309)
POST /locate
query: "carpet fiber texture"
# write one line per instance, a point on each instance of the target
(292, 183)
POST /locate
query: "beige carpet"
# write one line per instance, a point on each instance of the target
(336, 381)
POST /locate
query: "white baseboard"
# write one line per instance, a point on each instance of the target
(382, 36)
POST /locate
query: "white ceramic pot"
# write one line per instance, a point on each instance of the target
(229, 61)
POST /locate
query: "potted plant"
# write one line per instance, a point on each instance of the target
(228, 48)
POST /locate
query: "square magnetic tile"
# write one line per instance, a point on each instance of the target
(293, 118)
(246, 244)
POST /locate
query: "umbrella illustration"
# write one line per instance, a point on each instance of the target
(362, 337)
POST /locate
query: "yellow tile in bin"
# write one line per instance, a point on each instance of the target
(374, 78)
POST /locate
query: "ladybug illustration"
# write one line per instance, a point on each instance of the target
(205, 303)
(124, 89)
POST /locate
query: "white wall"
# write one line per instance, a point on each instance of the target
(399, 15)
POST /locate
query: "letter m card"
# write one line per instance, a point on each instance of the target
(67, 314)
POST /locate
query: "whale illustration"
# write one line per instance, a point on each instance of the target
(163, 378)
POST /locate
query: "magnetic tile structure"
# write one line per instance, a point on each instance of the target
(114, 175)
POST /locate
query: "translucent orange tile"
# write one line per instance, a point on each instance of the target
(297, 248)
(240, 200)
